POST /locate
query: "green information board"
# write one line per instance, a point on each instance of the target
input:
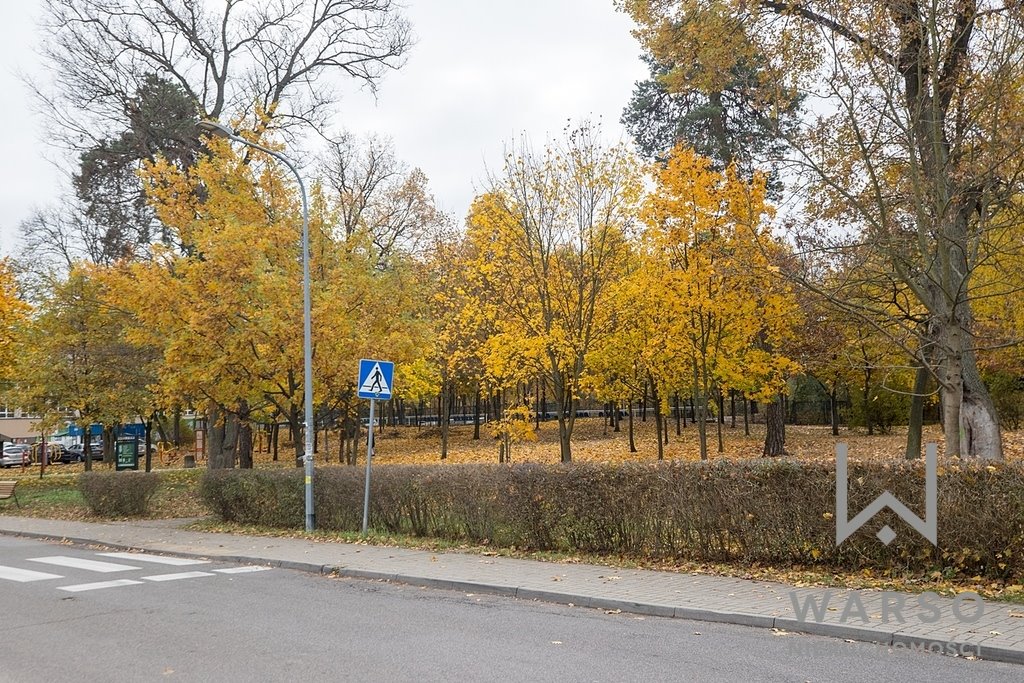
(127, 454)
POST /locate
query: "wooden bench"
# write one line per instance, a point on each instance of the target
(7, 491)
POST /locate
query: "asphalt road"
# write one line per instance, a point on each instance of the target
(199, 623)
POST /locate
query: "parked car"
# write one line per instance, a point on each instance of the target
(59, 453)
(16, 455)
(78, 451)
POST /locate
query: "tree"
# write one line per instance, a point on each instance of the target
(549, 239)
(161, 123)
(914, 156)
(264, 58)
(152, 68)
(724, 310)
(377, 197)
(14, 314)
(726, 119)
(76, 362)
(227, 315)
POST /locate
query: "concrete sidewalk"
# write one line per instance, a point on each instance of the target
(896, 620)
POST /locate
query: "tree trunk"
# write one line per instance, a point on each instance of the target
(866, 402)
(629, 417)
(244, 436)
(565, 401)
(354, 450)
(658, 427)
(679, 430)
(970, 423)
(274, 434)
(916, 422)
(834, 410)
(108, 444)
(775, 429)
(700, 412)
(720, 421)
(176, 427)
(221, 439)
(158, 419)
(746, 416)
(476, 415)
(444, 412)
(87, 447)
(298, 438)
(700, 417)
(149, 444)
(564, 438)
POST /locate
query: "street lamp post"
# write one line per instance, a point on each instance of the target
(220, 130)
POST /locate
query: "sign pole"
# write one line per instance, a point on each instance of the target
(369, 457)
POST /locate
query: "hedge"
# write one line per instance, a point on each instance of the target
(761, 511)
(118, 494)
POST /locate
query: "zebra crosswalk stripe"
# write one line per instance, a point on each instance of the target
(82, 563)
(97, 586)
(175, 577)
(25, 575)
(156, 559)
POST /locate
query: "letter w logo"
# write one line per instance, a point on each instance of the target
(927, 527)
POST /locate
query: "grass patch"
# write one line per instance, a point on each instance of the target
(56, 496)
(52, 502)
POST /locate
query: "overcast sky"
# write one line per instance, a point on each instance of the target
(480, 74)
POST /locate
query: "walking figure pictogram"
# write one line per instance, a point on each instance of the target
(375, 383)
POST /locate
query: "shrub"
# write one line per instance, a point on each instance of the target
(772, 511)
(118, 494)
(271, 498)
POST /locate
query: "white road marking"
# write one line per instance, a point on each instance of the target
(82, 563)
(241, 570)
(25, 575)
(96, 586)
(175, 577)
(158, 559)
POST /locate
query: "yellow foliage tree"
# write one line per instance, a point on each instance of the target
(13, 315)
(549, 238)
(76, 363)
(228, 314)
(718, 309)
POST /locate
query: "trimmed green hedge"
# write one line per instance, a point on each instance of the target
(118, 494)
(762, 511)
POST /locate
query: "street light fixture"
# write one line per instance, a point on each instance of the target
(220, 130)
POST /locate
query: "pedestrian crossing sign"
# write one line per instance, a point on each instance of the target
(375, 379)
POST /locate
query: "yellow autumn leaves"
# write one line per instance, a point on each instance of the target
(580, 274)
(702, 308)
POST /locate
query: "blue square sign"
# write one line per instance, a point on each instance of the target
(375, 379)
